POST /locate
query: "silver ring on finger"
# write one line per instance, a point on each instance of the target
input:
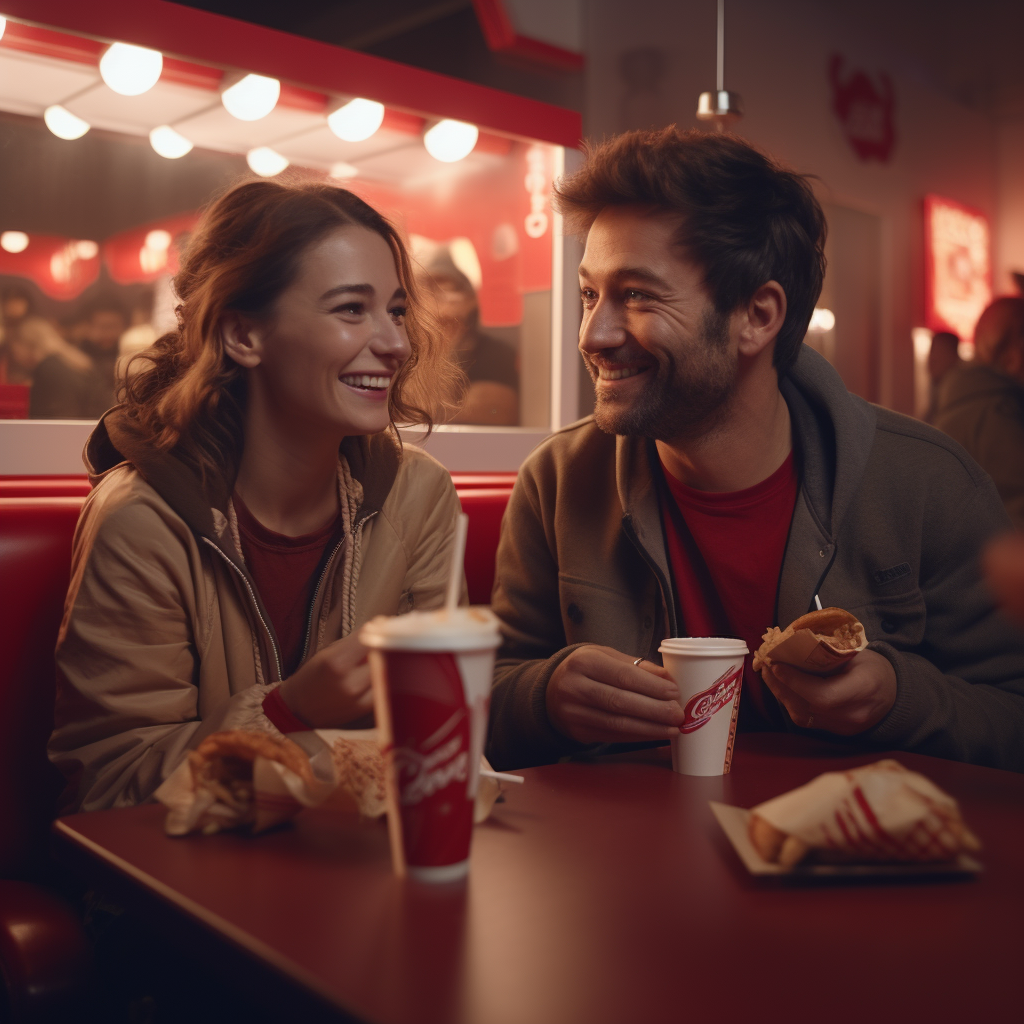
(638, 660)
(810, 722)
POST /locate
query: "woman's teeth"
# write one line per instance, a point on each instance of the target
(628, 371)
(364, 380)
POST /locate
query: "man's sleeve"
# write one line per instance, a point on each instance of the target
(961, 694)
(526, 599)
(999, 449)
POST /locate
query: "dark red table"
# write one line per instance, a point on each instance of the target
(599, 891)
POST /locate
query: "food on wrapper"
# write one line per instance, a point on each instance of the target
(819, 642)
(239, 778)
(882, 812)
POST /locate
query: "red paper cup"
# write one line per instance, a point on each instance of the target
(432, 683)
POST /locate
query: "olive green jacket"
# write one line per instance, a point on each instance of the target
(889, 521)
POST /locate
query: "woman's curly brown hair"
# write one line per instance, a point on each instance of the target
(188, 395)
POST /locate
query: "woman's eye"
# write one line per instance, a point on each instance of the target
(354, 308)
(398, 314)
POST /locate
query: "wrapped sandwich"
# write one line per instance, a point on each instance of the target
(819, 642)
(882, 812)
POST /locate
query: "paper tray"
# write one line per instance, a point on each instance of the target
(734, 824)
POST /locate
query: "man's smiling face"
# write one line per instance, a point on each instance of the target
(663, 363)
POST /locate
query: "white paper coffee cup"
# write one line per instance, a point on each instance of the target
(709, 673)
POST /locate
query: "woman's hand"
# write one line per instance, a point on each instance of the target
(332, 689)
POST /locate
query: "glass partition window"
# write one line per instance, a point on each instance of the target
(108, 163)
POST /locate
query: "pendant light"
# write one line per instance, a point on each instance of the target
(721, 106)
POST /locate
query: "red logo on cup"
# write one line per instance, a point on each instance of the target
(701, 706)
(441, 760)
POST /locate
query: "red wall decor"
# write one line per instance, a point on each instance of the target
(866, 112)
(61, 267)
(958, 268)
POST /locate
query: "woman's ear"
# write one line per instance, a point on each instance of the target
(241, 340)
(762, 318)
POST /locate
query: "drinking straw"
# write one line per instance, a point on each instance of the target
(458, 557)
(501, 776)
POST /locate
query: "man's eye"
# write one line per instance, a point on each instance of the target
(349, 307)
(588, 296)
(632, 295)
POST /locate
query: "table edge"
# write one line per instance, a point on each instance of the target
(208, 918)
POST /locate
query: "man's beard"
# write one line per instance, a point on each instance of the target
(686, 398)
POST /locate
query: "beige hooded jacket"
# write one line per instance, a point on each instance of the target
(165, 639)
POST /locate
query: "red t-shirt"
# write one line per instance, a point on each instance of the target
(283, 570)
(726, 571)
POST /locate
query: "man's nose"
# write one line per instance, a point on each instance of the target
(602, 328)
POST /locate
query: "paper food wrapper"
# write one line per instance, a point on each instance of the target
(881, 812)
(807, 651)
(256, 780)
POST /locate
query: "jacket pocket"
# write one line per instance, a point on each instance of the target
(898, 619)
(595, 614)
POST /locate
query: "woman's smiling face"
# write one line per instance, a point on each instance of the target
(335, 337)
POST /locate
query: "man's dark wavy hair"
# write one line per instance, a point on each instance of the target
(745, 219)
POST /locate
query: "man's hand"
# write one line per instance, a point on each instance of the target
(597, 695)
(851, 701)
(333, 688)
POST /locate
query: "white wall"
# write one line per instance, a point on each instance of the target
(777, 59)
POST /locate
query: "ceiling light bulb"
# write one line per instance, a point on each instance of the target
(63, 123)
(86, 249)
(14, 241)
(343, 171)
(131, 70)
(266, 162)
(252, 98)
(357, 120)
(169, 143)
(449, 141)
(158, 239)
(3, 25)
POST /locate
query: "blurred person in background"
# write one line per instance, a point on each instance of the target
(981, 405)
(83, 392)
(943, 357)
(492, 398)
(28, 340)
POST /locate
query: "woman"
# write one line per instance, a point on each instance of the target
(252, 503)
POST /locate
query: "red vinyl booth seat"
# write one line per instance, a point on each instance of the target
(44, 957)
(485, 507)
(44, 486)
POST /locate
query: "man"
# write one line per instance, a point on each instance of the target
(62, 390)
(943, 359)
(728, 479)
(982, 404)
(492, 397)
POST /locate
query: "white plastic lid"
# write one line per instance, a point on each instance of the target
(706, 646)
(464, 629)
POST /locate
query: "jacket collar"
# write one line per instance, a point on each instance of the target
(373, 461)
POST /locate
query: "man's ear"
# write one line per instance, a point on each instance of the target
(241, 339)
(762, 318)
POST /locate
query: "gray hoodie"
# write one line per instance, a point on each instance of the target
(889, 521)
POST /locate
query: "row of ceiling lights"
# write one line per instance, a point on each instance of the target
(133, 70)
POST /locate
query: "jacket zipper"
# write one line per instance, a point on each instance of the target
(666, 590)
(255, 604)
(323, 576)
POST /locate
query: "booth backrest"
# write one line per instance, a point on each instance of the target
(44, 486)
(35, 565)
(485, 508)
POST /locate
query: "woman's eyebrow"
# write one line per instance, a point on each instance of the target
(359, 289)
(399, 294)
